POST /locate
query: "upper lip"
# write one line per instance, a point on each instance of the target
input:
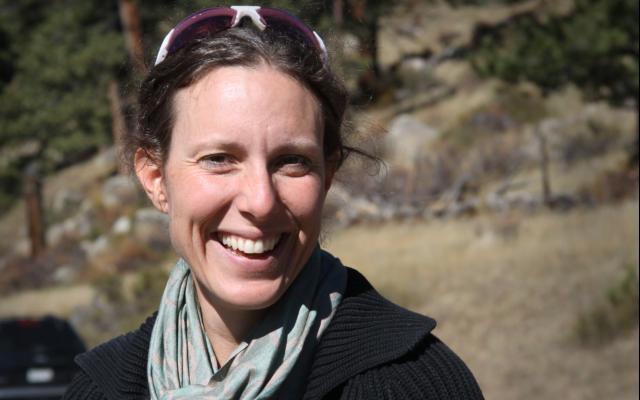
(248, 235)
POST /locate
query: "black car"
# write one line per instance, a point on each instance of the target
(36, 357)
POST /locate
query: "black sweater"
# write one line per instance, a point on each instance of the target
(372, 349)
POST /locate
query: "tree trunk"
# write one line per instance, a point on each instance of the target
(338, 13)
(118, 123)
(358, 8)
(130, 19)
(634, 154)
(544, 166)
(33, 206)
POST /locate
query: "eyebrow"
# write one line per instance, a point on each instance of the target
(223, 143)
(298, 145)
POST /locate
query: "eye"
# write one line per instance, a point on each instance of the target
(216, 162)
(293, 165)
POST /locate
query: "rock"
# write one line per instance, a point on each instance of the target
(151, 215)
(96, 247)
(364, 209)
(121, 226)
(152, 227)
(87, 206)
(22, 247)
(66, 201)
(343, 209)
(501, 202)
(64, 274)
(78, 227)
(55, 234)
(425, 27)
(388, 211)
(408, 141)
(415, 75)
(119, 191)
(350, 45)
(106, 160)
(337, 200)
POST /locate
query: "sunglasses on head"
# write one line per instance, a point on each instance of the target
(217, 19)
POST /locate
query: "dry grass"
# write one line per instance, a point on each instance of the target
(507, 291)
(59, 301)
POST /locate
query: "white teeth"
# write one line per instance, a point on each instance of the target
(249, 246)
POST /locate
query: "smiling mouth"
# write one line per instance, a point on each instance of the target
(250, 247)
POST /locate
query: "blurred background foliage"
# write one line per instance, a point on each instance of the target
(595, 47)
(58, 57)
(463, 99)
(56, 61)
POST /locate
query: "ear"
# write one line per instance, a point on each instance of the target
(151, 177)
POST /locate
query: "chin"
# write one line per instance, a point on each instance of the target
(257, 295)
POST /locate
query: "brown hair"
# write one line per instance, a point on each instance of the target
(240, 46)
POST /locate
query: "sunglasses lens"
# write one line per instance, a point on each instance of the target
(200, 29)
(211, 21)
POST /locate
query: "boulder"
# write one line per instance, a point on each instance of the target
(77, 227)
(151, 227)
(415, 75)
(408, 141)
(427, 27)
(65, 201)
(94, 249)
(119, 191)
(65, 274)
(121, 226)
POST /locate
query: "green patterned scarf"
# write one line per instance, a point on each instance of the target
(182, 364)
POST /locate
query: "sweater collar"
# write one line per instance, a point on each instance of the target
(119, 367)
(367, 331)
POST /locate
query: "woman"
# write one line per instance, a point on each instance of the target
(238, 141)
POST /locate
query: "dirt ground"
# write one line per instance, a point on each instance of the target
(507, 291)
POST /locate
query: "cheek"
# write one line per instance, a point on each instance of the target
(195, 198)
(304, 200)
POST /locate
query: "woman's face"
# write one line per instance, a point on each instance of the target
(243, 183)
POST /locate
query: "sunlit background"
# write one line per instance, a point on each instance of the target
(507, 207)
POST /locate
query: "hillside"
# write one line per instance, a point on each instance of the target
(509, 293)
(508, 211)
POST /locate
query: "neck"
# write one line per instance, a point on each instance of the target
(226, 328)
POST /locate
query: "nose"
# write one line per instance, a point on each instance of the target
(258, 195)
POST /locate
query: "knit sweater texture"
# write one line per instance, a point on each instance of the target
(372, 349)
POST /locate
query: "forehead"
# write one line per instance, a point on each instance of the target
(237, 101)
(249, 88)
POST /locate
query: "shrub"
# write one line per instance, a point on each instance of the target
(611, 187)
(614, 314)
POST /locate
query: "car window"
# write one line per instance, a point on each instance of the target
(47, 335)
